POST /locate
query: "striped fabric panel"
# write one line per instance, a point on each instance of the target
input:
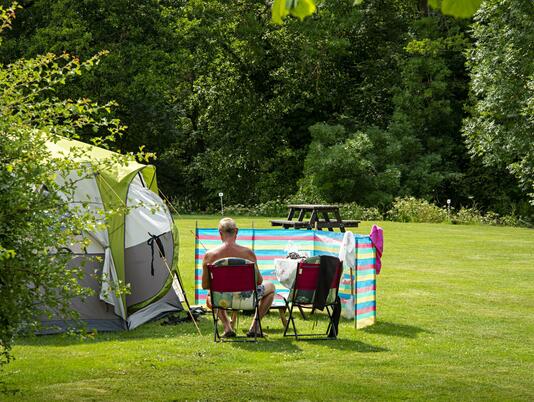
(365, 300)
(362, 300)
(269, 244)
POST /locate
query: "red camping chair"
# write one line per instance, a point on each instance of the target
(303, 293)
(233, 288)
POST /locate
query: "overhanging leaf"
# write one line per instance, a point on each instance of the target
(456, 8)
(297, 8)
(279, 11)
(434, 3)
(303, 8)
(460, 8)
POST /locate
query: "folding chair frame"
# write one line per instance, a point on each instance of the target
(329, 310)
(214, 311)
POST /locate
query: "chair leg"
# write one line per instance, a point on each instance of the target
(216, 336)
(330, 324)
(288, 308)
(292, 319)
(302, 313)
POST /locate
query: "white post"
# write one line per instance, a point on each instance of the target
(222, 207)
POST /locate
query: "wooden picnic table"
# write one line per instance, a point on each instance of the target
(319, 218)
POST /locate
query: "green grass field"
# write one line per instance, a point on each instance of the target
(455, 322)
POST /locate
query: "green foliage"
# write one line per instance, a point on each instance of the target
(260, 88)
(304, 8)
(344, 167)
(469, 216)
(420, 152)
(270, 208)
(410, 209)
(278, 207)
(297, 8)
(355, 211)
(36, 220)
(472, 216)
(424, 130)
(500, 128)
(456, 8)
(226, 98)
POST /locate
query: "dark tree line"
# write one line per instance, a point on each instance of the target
(356, 103)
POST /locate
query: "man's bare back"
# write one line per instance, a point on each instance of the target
(226, 250)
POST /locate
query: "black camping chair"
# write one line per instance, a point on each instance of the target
(308, 285)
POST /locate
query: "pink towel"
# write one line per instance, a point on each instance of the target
(377, 238)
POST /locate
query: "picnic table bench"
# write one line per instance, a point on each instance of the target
(315, 221)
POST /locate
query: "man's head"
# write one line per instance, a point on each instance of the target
(227, 228)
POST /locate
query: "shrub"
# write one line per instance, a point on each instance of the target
(410, 209)
(278, 207)
(355, 211)
(472, 216)
(275, 207)
(239, 210)
(511, 220)
(468, 216)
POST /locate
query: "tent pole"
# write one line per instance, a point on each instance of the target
(197, 240)
(188, 305)
(169, 203)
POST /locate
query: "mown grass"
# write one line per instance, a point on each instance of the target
(456, 322)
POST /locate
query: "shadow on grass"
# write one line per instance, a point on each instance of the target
(274, 342)
(352, 345)
(268, 345)
(7, 390)
(152, 330)
(394, 329)
(290, 345)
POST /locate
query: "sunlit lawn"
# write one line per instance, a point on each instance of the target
(456, 322)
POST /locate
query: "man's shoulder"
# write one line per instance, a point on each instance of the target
(246, 253)
(212, 255)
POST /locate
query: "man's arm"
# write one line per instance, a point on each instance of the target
(252, 257)
(259, 278)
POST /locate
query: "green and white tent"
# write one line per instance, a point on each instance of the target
(137, 247)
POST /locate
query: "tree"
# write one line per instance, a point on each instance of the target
(500, 128)
(143, 64)
(226, 98)
(428, 101)
(415, 147)
(345, 167)
(36, 221)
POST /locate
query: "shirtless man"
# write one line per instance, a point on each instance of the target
(228, 232)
